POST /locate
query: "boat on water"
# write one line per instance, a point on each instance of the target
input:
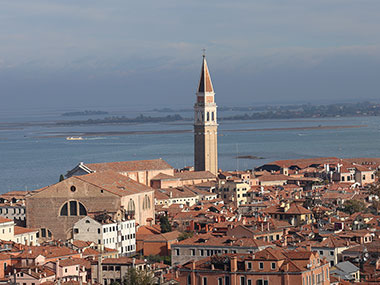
(74, 138)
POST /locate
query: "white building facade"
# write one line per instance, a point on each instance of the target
(120, 235)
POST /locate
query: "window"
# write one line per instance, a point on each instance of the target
(249, 282)
(220, 281)
(201, 252)
(192, 252)
(189, 279)
(204, 280)
(227, 280)
(176, 251)
(249, 265)
(321, 252)
(331, 252)
(131, 207)
(146, 202)
(82, 210)
(72, 207)
(261, 265)
(64, 210)
(212, 116)
(242, 280)
(262, 282)
(76, 231)
(273, 265)
(73, 188)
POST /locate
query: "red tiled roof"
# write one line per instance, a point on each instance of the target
(114, 182)
(5, 220)
(20, 230)
(128, 166)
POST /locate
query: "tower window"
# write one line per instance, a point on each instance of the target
(213, 116)
(208, 116)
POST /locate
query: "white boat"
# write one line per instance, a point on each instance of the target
(74, 138)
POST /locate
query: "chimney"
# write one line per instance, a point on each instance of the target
(308, 247)
(100, 273)
(285, 243)
(233, 261)
(133, 262)
(57, 269)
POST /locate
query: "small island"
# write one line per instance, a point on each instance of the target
(84, 113)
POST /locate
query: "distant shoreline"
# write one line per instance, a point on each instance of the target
(103, 134)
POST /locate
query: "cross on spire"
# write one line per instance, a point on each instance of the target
(204, 52)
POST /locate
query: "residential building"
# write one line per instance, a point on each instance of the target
(294, 213)
(200, 246)
(268, 266)
(108, 232)
(235, 192)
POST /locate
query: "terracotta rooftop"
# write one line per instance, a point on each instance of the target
(127, 166)
(121, 260)
(169, 236)
(5, 220)
(21, 230)
(46, 251)
(188, 175)
(223, 241)
(114, 182)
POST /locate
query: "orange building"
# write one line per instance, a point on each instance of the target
(269, 266)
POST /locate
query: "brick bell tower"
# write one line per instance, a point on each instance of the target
(205, 124)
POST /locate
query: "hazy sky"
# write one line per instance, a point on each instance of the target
(94, 53)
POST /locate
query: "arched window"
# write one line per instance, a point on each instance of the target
(213, 116)
(44, 233)
(73, 208)
(146, 202)
(208, 116)
(131, 207)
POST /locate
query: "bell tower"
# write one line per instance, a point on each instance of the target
(205, 124)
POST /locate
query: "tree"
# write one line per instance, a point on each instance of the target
(185, 235)
(354, 206)
(165, 224)
(138, 277)
(61, 178)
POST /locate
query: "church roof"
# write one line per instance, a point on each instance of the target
(205, 84)
(125, 166)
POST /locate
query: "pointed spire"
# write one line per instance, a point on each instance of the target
(205, 84)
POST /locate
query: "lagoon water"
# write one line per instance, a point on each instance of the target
(32, 157)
